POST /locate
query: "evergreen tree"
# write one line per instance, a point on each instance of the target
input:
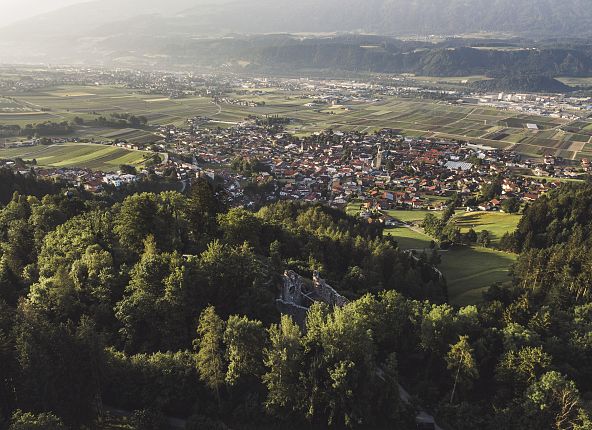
(210, 359)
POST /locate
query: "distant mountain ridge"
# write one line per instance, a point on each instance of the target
(392, 17)
(103, 19)
(256, 32)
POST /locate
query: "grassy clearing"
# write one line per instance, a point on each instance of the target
(552, 179)
(90, 156)
(470, 271)
(353, 208)
(409, 239)
(411, 216)
(496, 223)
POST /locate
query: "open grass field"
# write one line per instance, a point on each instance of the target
(413, 117)
(496, 223)
(470, 271)
(408, 238)
(412, 216)
(552, 179)
(90, 156)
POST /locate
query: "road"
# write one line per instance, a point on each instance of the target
(422, 414)
(405, 397)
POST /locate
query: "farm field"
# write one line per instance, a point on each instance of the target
(89, 102)
(449, 79)
(576, 82)
(496, 223)
(413, 117)
(90, 156)
(422, 118)
(470, 271)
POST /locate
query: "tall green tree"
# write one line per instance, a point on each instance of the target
(157, 307)
(245, 342)
(460, 359)
(203, 207)
(56, 368)
(239, 225)
(211, 362)
(518, 369)
(136, 220)
(553, 402)
(284, 361)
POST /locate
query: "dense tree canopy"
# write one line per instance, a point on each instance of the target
(164, 304)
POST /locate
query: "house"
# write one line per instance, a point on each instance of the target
(94, 186)
(457, 165)
(530, 197)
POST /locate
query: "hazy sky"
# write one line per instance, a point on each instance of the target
(14, 10)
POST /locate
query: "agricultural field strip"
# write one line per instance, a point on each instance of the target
(78, 155)
(416, 117)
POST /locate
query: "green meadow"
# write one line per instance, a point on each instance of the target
(496, 223)
(470, 271)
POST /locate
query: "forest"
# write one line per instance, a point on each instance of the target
(163, 305)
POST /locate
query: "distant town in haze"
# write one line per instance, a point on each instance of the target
(318, 214)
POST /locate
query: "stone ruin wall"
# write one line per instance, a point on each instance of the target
(297, 296)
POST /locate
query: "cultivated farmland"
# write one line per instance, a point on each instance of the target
(90, 156)
(413, 117)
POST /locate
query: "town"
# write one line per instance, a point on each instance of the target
(258, 163)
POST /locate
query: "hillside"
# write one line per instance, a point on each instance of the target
(284, 53)
(524, 83)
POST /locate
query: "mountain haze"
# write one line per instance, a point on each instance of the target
(394, 17)
(82, 26)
